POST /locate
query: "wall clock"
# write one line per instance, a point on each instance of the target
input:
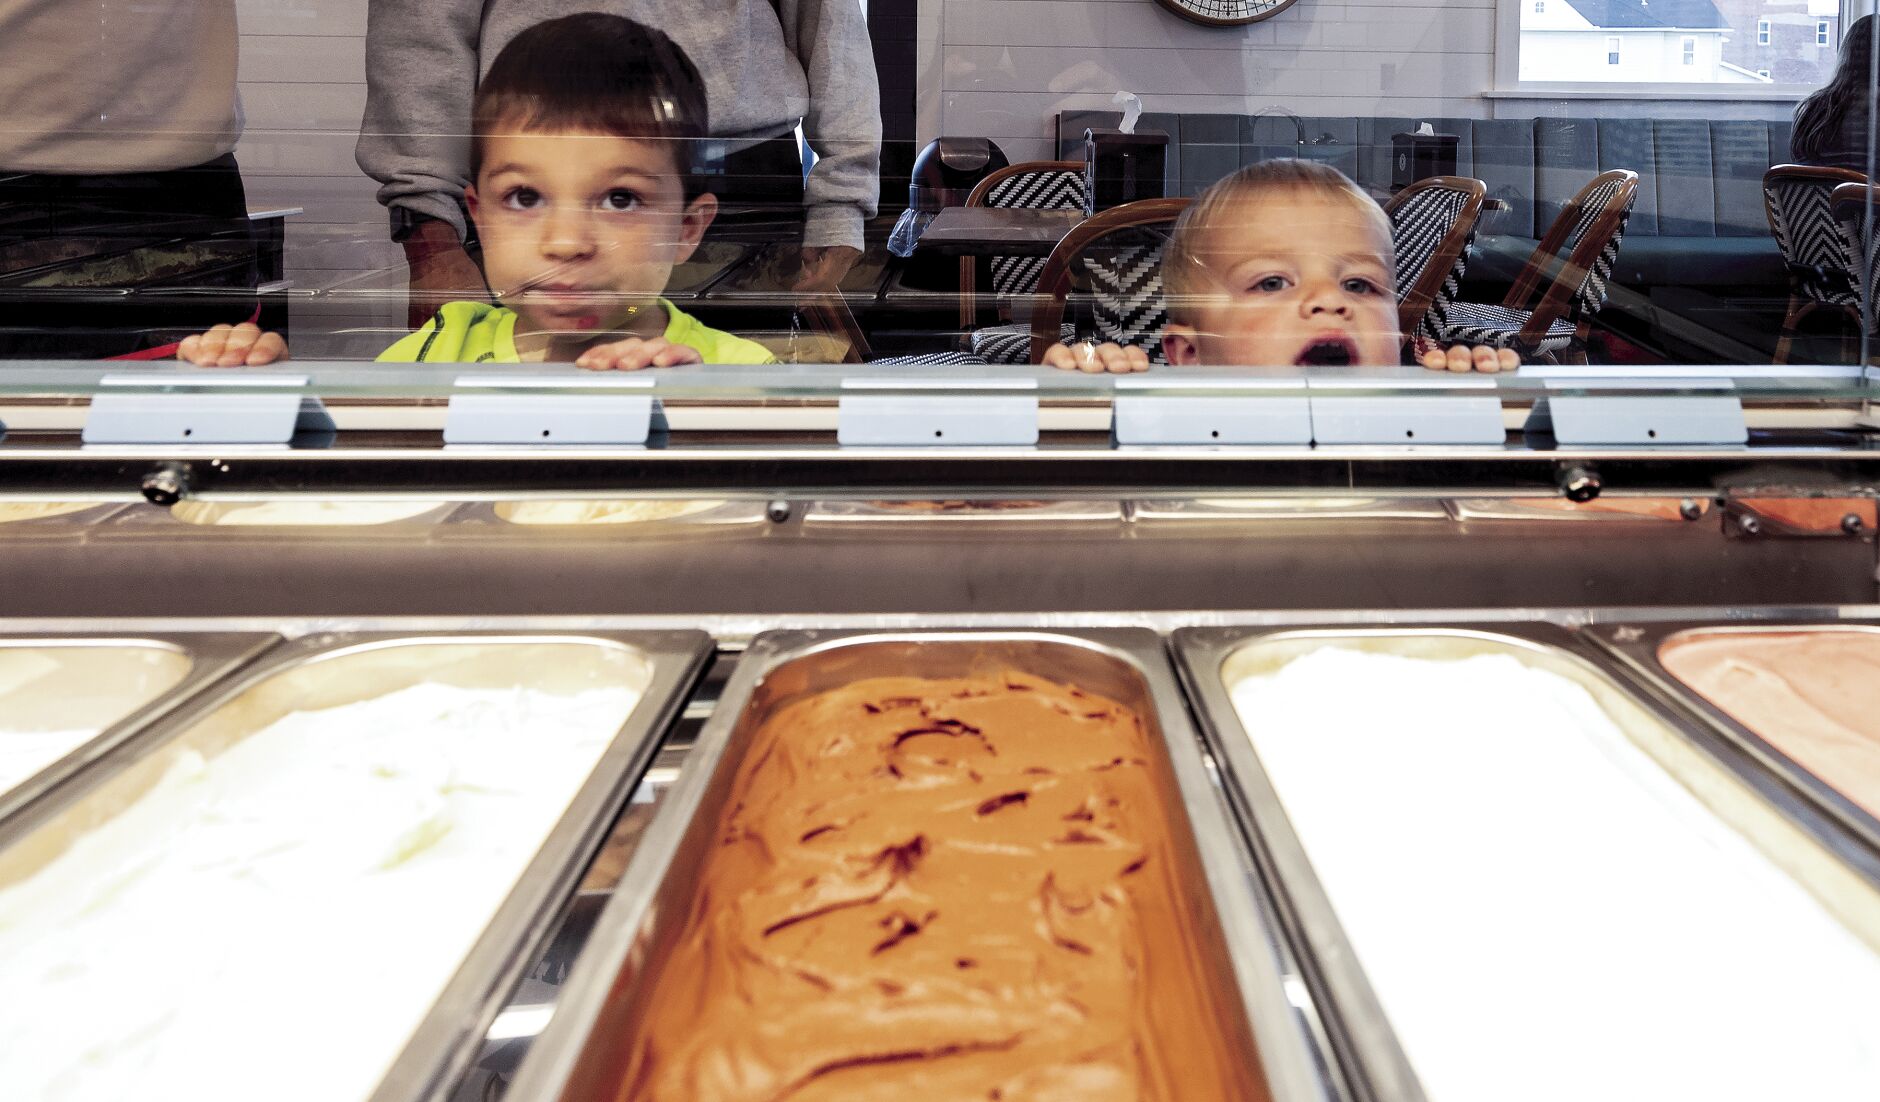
(1226, 13)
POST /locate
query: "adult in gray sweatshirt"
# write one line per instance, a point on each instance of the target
(767, 64)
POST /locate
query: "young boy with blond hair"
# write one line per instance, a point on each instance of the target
(587, 193)
(1283, 264)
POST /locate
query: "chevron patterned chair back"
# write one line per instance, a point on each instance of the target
(1110, 269)
(1856, 211)
(1432, 225)
(1030, 185)
(1550, 309)
(1819, 256)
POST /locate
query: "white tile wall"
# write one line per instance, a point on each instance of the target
(1005, 68)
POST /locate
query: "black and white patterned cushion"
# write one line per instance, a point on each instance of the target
(1418, 226)
(1498, 327)
(1819, 256)
(1591, 296)
(932, 359)
(1860, 238)
(1116, 289)
(1011, 344)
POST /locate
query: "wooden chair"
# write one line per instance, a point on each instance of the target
(1819, 257)
(1030, 185)
(1115, 259)
(1550, 308)
(1432, 225)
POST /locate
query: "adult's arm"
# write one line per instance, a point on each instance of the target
(830, 40)
(421, 73)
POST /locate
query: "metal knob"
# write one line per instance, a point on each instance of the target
(1690, 509)
(1852, 524)
(166, 485)
(778, 511)
(1579, 484)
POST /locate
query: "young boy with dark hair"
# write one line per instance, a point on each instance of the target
(586, 195)
(1283, 264)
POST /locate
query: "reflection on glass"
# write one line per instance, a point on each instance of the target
(823, 180)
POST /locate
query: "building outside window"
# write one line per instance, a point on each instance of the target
(1788, 44)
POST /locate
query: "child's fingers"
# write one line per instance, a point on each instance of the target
(1061, 357)
(1460, 358)
(1487, 360)
(673, 355)
(270, 348)
(1117, 359)
(190, 348)
(1134, 360)
(1510, 360)
(208, 346)
(241, 341)
(605, 357)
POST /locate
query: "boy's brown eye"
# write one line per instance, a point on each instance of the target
(621, 199)
(524, 198)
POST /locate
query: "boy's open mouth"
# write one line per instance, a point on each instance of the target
(1329, 352)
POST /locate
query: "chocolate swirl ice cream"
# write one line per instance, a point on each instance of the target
(945, 889)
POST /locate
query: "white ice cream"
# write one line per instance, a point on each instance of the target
(1542, 910)
(600, 512)
(55, 699)
(294, 514)
(14, 511)
(274, 921)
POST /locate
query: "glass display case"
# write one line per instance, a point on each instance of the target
(1202, 549)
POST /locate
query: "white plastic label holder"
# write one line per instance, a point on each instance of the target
(937, 413)
(221, 409)
(1247, 414)
(588, 410)
(1700, 413)
(1408, 411)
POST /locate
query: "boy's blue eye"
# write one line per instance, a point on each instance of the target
(1271, 284)
(1360, 287)
(620, 200)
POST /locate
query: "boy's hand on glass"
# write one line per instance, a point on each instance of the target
(244, 345)
(635, 354)
(1097, 359)
(1462, 358)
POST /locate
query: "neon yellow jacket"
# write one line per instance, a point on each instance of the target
(477, 332)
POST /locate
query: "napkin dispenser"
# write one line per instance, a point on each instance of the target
(1122, 167)
(1421, 155)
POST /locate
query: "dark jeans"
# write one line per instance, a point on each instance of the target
(100, 266)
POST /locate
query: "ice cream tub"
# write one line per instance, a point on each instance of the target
(847, 991)
(925, 517)
(35, 519)
(1796, 704)
(288, 515)
(338, 862)
(65, 701)
(607, 518)
(1507, 872)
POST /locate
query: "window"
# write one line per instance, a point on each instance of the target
(1687, 48)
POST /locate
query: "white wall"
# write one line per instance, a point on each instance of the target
(1644, 56)
(1004, 68)
(303, 88)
